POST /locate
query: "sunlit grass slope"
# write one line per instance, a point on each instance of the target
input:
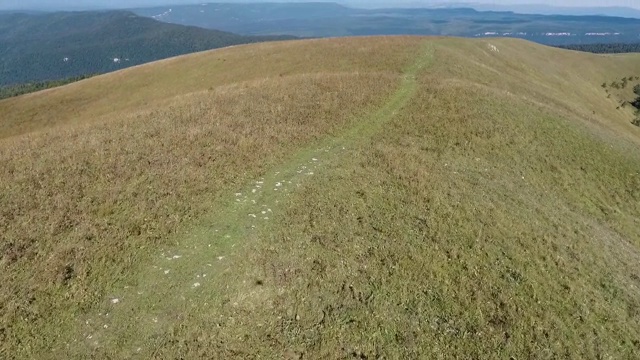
(395, 197)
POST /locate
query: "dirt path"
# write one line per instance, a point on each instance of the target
(181, 280)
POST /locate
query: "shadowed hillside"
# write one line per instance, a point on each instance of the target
(383, 197)
(54, 46)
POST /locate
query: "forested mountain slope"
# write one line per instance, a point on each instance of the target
(53, 46)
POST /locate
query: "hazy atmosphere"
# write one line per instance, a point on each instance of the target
(89, 4)
(345, 179)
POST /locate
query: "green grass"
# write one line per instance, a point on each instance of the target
(447, 201)
(166, 290)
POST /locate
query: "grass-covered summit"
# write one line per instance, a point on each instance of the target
(390, 197)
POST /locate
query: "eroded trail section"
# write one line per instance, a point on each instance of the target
(183, 281)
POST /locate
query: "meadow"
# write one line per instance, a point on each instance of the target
(382, 197)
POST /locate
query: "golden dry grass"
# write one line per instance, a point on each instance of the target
(97, 188)
(150, 86)
(490, 209)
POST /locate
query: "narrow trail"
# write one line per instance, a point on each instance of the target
(182, 280)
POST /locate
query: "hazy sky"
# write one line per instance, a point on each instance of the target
(34, 4)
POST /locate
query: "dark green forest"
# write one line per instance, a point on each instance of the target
(636, 104)
(614, 48)
(21, 89)
(39, 48)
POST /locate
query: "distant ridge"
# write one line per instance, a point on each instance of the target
(51, 46)
(466, 20)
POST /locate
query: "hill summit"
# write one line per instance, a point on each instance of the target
(375, 197)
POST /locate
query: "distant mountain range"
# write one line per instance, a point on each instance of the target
(615, 11)
(52, 46)
(332, 19)
(533, 8)
(49, 46)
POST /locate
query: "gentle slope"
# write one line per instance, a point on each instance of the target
(347, 198)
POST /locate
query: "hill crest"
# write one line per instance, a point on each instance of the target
(378, 196)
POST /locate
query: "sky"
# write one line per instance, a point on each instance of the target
(79, 4)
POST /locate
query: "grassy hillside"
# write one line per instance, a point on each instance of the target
(53, 46)
(395, 197)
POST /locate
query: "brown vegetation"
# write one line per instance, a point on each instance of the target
(480, 203)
